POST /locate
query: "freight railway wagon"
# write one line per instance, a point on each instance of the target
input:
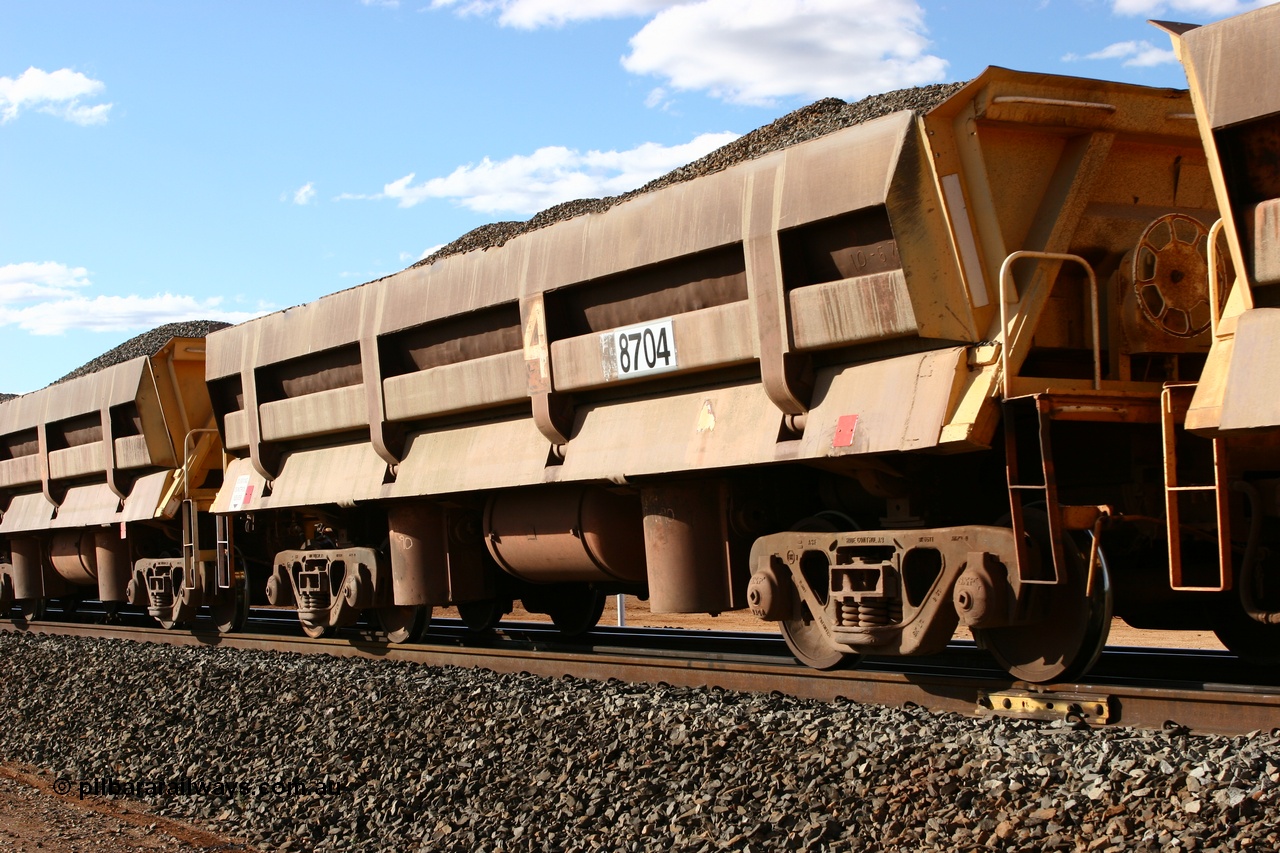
(106, 481)
(995, 365)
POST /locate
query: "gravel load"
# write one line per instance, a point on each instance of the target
(817, 119)
(306, 752)
(147, 343)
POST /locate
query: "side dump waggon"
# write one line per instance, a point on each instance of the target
(1007, 364)
(107, 480)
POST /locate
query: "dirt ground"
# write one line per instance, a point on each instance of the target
(36, 815)
(637, 614)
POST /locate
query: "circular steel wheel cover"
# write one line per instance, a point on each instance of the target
(481, 617)
(810, 646)
(1065, 642)
(231, 616)
(403, 624)
(577, 610)
(1251, 641)
(32, 609)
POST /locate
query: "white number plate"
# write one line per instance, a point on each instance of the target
(638, 350)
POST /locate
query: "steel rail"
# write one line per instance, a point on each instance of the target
(1197, 707)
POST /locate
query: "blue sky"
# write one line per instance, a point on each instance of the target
(217, 159)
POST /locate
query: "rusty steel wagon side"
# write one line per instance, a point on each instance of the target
(1004, 364)
(107, 480)
(908, 375)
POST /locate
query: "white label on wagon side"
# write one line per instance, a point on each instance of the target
(638, 350)
(241, 494)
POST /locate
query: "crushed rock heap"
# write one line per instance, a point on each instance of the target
(817, 119)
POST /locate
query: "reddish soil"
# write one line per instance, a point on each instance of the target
(36, 815)
(639, 615)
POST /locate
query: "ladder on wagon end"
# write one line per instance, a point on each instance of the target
(1194, 474)
(1194, 469)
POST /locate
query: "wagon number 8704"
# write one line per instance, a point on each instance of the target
(639, 350)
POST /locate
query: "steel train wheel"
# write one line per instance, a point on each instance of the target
(804, 635)
(481, 617)
(403, 624)
(1251, 641)
(1066, 641)
(576, 610)
(32, 609)
(231, 616)
(6, 595)
(809, 644)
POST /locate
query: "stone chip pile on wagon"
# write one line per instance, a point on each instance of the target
(146, 344)
(450, 759)
(817, 119)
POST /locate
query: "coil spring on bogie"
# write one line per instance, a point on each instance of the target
(851, 613)
(160, 588)
(316, 599)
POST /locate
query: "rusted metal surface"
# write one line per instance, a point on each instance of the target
(566, 533)
(847, 335)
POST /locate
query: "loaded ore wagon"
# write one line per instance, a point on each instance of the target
(107, 480)
(1003, 362)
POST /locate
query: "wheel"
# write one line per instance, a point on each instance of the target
(6, 595)
(405, 624)
(576, 610)
(172, 624)
(804, 635)
(233, 615)
(481, 617)
(314, 631)
(1251, 641)
(1065, 642)
(807, 642)
(32, 609)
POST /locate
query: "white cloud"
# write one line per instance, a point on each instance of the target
(1200, 8)
(117, 313)
(45, 298)
(30, 280)
(527, 183)
(57, 93)
(531, 14)
(754, 51)
(304, 194)
(409, 257)
(1139, 54)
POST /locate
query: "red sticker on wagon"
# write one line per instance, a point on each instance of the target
(844, 431)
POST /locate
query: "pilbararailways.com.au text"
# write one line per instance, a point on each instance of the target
(141, 789)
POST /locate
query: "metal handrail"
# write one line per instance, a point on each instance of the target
(1212, 255)
(187, 449)
(1005, 277)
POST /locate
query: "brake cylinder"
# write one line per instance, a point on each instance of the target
(73, 554)
(567, 533)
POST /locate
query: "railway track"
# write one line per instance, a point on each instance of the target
(1213, 693)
